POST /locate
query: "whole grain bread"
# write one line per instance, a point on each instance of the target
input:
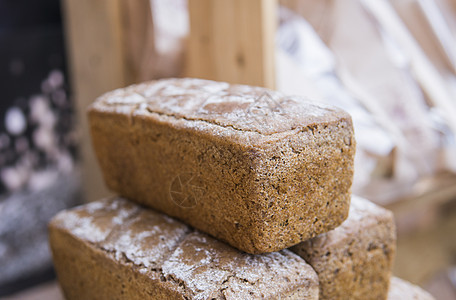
(354, 261)
(114, 249)
(246, 165)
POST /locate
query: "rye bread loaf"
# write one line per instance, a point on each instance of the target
(403, 290)
(114, 249)
(354, 261)
(246, 165)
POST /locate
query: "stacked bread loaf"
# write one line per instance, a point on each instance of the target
(234, 192)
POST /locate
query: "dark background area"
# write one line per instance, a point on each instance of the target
(32, 46)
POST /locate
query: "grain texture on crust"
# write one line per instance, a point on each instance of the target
(114, 249)
(401, 289)
(354, 261)
(246, 165)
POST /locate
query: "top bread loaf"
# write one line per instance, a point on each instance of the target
(247, 165)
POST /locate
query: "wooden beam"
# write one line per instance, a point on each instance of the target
(106, 42)
(138, 40)
(233, 41)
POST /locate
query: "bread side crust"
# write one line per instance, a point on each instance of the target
(354, 261)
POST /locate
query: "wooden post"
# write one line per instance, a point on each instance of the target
(104, 54)
(233, 41)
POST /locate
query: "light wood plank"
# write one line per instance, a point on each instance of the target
(108, 42)
(233, 41)
(138, 40)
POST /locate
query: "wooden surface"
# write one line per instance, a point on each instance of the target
(233, 41)
(108, 43)
(423, 253)
(422, 208)
(426, 226)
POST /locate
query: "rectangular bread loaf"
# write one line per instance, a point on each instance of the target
(403, 290)
(113, 249)
(246, 165)
(354, 261)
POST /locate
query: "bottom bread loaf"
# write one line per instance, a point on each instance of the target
(113, 249)
(354, 261)
(403, 290)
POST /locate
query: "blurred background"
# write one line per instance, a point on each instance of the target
(390, 63)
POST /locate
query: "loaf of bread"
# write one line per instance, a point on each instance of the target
(354, 261)
(113, 249)
(246, 165)
(403, 290)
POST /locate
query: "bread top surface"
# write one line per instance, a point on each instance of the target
(163, 248)
(364, 210)
(233, 107)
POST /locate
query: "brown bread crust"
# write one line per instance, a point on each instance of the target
(113, 249)
(355, 260)
(246, 165)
